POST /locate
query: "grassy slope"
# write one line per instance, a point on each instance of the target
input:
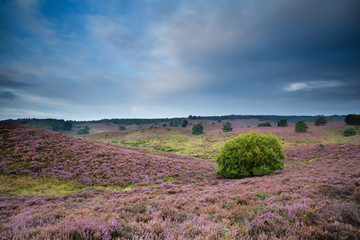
(181, 141)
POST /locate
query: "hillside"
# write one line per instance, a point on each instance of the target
(316, 196)
(39, 152)
(180, 140)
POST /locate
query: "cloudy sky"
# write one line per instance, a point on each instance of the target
(89, 59)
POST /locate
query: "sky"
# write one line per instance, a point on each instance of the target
(89, 60)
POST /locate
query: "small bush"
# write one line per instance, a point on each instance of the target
(251, 154)
(265, 124)
(82, 131)
(198, 129)
(122, 128)
(227, 128)
(349, 132)
(352, 119)
(320, 121)
(283, 123)
(301, 126)
(184, 123)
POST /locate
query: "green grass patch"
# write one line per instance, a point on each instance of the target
(128, 187)
(27, 185)
(46, 186)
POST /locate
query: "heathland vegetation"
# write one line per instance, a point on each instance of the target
(158, 180)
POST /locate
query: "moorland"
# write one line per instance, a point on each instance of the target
(158, 181)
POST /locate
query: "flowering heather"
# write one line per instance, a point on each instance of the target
(317, 196)
(39, 152)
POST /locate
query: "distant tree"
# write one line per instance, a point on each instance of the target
(349, 132)
(352, 119)
(82, 131)
(122, 128)
(164, 125)
(219, 120)
(320, 121)
(86, 128)
(184, 123)
(301, 126)
(227, 128)
(67, 126)
(171, 123)
(198, 129)
(283, 123)
(265, 124)
(228, 123)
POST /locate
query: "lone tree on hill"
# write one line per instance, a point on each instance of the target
(301, 126)
(227, 128)
(320, 121)
(184, 123)
(352, 119)
(122, 128)
(283, 123)
(250, 154)
(198, 129)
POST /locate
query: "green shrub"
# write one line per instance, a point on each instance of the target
(320, 121)
(82, 131)
(198, 129)
(349, 132)
(184, 123)
(122, 128)
(265, 124)
(250, 154)
(301, 126)
(283, 123)
(352, 119)
(227, 128)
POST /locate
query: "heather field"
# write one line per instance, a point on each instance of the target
(131, 185)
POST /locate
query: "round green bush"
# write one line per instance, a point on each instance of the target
(320, 121)
(250, 154)
(301, 126)
(227, 128)
(197, 129)
(349, 132)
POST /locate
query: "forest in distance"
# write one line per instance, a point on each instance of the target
(55, 124)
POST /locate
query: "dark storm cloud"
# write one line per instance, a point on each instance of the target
(261, 44)
(7, 95)
(6, 82)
